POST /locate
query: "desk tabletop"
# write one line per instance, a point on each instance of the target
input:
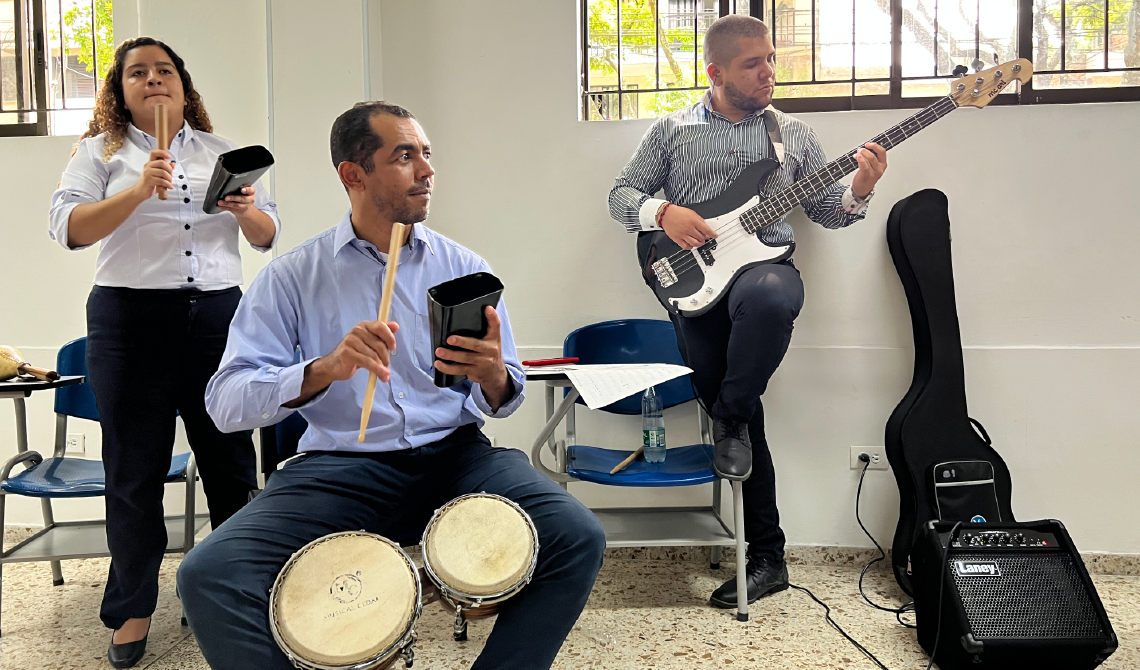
(24, 386)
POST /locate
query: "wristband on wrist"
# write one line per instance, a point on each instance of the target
(661, 212)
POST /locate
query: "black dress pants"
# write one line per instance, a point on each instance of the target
(150, 354)
(734, 349)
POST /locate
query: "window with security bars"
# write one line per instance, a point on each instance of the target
(54, 55)
(643, 58)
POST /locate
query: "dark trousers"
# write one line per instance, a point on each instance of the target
(734, 349)
(225, 581)
(149, 356)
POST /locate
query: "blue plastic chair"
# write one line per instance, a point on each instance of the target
(646, 341)
(66, 477)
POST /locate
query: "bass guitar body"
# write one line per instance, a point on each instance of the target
(942, 459)
(699, 277)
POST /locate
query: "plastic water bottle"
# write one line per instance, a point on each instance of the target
(652, 427)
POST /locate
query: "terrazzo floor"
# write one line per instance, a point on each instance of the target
(643, 613)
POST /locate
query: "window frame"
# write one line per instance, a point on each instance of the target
(39, 69)
(1026, 95)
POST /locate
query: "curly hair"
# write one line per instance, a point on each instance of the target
(111, 113)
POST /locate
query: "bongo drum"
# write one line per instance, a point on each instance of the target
(479, 550)
(346, 600)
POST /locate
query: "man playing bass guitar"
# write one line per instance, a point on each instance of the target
(734, 347)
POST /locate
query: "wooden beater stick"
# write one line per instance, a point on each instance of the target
(621, 466)
(394, 246)
(162, 131)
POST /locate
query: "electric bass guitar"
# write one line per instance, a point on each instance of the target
(690, 282)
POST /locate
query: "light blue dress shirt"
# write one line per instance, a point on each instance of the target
(310, 298)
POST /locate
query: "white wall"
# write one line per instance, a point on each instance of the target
(1042, 241)
(1044, 256)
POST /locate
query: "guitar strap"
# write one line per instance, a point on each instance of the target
(773, 128)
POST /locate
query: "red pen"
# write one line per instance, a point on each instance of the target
(550, 361)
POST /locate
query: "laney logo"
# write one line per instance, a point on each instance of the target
(977, 569)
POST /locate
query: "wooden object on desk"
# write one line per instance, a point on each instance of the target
(394, 246)
(162, 134)
(621, 466)
(12, 364)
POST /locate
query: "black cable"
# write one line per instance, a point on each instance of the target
(941, 587)
(837, 627)
(897, 611)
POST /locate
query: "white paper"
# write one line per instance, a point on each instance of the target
(601, 385)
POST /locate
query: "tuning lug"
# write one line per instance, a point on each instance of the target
(1016, 67)
(961, 87)
(997, 74)
(979, 81)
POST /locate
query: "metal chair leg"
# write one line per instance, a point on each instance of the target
(191, 490)
(714, 560)
(741, 552)
(49, 521)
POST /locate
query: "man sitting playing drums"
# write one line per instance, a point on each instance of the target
(423, 446)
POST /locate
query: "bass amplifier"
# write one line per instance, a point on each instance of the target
(1012, 595)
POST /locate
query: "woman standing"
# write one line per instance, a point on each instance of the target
(166, 287)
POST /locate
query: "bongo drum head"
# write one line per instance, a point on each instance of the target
(345, 600)
(480, 546)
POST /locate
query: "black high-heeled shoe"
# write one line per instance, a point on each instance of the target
(128, 654)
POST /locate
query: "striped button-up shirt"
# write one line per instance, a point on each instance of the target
(694, 155)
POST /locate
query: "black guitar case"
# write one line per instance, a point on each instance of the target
(942, 459)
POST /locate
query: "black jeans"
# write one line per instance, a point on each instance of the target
(224, 582)
(734, 349)
(150, 354)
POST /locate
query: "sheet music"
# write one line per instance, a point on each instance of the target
(601, 385)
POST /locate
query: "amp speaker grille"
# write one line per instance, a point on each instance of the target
(1038, 595)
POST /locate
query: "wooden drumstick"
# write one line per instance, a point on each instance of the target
(162, 132)
(394, 246)
(621, 466)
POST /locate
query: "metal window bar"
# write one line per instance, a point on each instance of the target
(936, 38)
(1064, 34)
(787, 29)
(1106, 33)
(62, 60)
(94, 51)
(619, 79)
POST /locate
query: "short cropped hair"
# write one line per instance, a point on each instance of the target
(353, 139)
(721, 40)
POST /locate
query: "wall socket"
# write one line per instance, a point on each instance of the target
(76, 444)
(878, 458)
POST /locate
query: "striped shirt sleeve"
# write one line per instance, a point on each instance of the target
(642, 177)
(835, 206)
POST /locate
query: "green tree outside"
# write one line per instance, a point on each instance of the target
(77, 35)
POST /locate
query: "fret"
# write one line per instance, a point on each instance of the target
(774, 208)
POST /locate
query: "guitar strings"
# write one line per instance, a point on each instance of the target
(685, 259)
(780, 198)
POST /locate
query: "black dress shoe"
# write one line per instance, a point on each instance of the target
(128, 654)
(732, 457)
(765, 577)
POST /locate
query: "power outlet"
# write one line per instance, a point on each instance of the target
(878, 458)
(76, 444)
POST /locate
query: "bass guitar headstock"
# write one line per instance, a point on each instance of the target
(977, 90)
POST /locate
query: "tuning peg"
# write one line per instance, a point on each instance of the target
(960, 70)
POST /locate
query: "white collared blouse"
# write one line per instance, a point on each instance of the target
(163, 244)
